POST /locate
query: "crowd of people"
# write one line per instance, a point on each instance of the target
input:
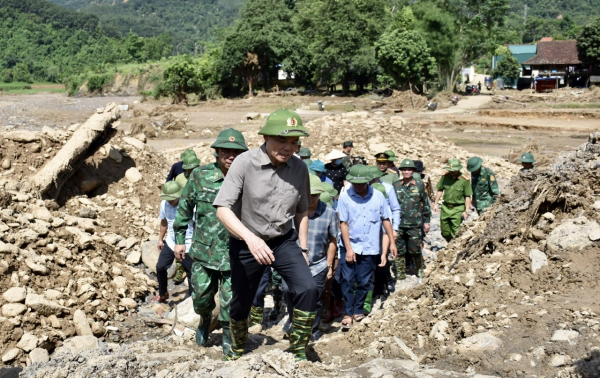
(328, 237)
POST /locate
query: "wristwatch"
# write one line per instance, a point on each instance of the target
(305, 250)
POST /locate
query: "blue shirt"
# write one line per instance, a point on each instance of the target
(364, 217)
(392, 200)
(168, 212)
(322, 226)
(326, 179)
(176, 170)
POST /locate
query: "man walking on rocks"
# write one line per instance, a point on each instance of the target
(210, 248)
(414, 219)
(457, 193)
(483, 183)
(362, 211)
(266, 193)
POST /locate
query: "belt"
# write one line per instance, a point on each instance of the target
(453, 205)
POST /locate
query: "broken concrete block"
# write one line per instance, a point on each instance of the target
(538, 260)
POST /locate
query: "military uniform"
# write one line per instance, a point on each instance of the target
(415, 211)
(391, 175)
(485, 189)
(455, 191)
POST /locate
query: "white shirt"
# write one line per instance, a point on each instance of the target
(168, 212)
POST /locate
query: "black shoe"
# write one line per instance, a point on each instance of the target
(274, 313)
(391, 288)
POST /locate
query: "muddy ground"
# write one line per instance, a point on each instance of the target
(494, 296)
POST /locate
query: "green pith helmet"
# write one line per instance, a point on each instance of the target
(284, 123)
(407, 163)
(171, 191)
(359, 174)
(380, 187)
(187, 152)
(375, 172)
(231, 139)
(190, 161)
(181, 179)
(527, 157)
(387, 155)
(348, 143)
(474, 163)
(330, 189)
(305, 152)
(453, 165)
(326, 197)
(315, 185)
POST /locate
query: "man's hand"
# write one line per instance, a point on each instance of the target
(179, 252)
(393, 250)
(435, 208)
(260, 250)
(465, 215)
(383, 260)
(330, 273)
(350, 256)
(426, 227)
(160, 245)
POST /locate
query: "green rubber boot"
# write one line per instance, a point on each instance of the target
(420, 265)
(226, 343)
(368, 303)
(256, 315)
(239, 336)
(202, 331)
(179, 273)
(301, 331)
(401, 266)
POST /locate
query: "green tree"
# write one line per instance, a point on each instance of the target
(183, 76)
(588, 44)
(21, 73)
(509, 67)
(340, 36)
(405, 57)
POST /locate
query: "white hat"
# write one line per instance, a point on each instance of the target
(335, 154)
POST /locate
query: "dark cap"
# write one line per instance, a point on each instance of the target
(419, 165)
(348, 143)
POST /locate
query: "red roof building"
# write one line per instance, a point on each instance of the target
(554, 56)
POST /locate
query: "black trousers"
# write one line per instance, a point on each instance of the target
(165, 259)
(246, 273)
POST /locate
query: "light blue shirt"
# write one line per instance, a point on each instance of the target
(326, 179)
(364, 217)
(392, 200)
(168, 212)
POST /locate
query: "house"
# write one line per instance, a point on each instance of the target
(557, 59)
(522, 53)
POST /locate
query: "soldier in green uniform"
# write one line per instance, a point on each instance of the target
(385, 162)
(457, 193)
(190, 162)
(347, 149)
(415, 216)
(483, 183)
(210, 246)
(305, 154)
(527, 161)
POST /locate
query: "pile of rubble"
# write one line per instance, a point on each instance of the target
(71, 265)
(516, 293)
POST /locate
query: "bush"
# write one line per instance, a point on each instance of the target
(21, 73)
(98, 82)
(6, 76)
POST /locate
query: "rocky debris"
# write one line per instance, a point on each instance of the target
(133, 175)
(15, 294)
(78, 344)
(575, 233)
(22, 136)
(538, 260)
(6, 164)
(28, 342)
(150, 254)
(564, 335)
(38, 356)
(81, 324)
(11, 355)
(186, 314)
(13, 309)
(479, 343)
(134, 257)
(44, 306)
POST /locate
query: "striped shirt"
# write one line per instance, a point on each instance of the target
(322, 226)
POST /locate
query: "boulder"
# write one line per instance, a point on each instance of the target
(11, 355)
(575, 233)
(186, 314)
(81, 323)
(38, 356)
(479, 343)
(15, 294)
(131, 241)
(150, 254)
(133, 175)
(36, 267)
(79, 344)
(134, 257)
(538, 260)
(114, 154)
(41, 213)
(564, 335)
(134, 142)
(8, 248)
(6, 164)
(82, 239)
(22, 136)
(129, 303)
(112, 239)
(13, 309)
(43, 306)
(28, 342)
(560, 360)
(439, 331)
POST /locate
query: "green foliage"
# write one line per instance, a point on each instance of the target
(508, 68)
(405, 57)
(588, 44)
(97, 82)
(20, 72)
(185, 75)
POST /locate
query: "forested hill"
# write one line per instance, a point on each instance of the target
(187, 21)
(40, 41)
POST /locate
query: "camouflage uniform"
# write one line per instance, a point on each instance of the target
(485, 189)
(209, 250)
(455, 191)
(415, 211)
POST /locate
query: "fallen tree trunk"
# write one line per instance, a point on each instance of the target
(86, 140)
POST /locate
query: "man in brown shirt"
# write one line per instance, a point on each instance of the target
(266, 189)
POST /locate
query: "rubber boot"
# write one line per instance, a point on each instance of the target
(256, 315)
(277, 298)
(179, 273)
(203, 331)
(368, 303)
(401, 266)
(239, 336)
(226, 343)
(301, 331)
(419, 265)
